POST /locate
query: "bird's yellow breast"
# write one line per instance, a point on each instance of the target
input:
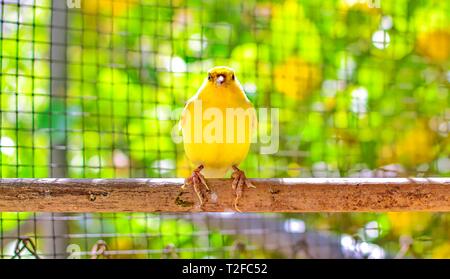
(217, 128)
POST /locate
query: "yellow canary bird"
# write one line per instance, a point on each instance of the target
(217, 124)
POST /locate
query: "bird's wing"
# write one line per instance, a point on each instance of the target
(182, 118)
(253, 118)
(182, 123)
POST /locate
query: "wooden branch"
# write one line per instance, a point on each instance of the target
(270, 195)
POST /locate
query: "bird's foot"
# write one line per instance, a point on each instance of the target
(197, 181)
(239, 181)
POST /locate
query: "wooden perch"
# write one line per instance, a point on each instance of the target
(270, 195)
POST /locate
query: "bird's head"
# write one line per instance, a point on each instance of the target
(221, 76)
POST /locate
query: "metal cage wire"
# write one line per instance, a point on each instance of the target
(92, 89)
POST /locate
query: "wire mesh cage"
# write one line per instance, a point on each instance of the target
(94, 89)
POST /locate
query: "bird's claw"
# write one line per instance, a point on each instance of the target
(196, 180)
(239, 180)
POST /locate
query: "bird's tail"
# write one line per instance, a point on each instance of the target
(214, 173)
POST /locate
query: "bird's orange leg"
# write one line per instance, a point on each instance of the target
(196, 180)
(239, 181)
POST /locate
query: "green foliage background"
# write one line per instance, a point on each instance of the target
(362, 91)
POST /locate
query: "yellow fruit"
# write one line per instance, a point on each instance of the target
(386, 155)
(407, 223)
(434, 45)
(330, 103)
(442, 252)
(123, 243)
(296, 78)
(113, 7)
(293, 169)
(416, 146)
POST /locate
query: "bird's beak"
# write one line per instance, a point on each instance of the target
(220, 79)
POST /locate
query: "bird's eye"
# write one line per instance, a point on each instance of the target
(209, 77)
(232, 76)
